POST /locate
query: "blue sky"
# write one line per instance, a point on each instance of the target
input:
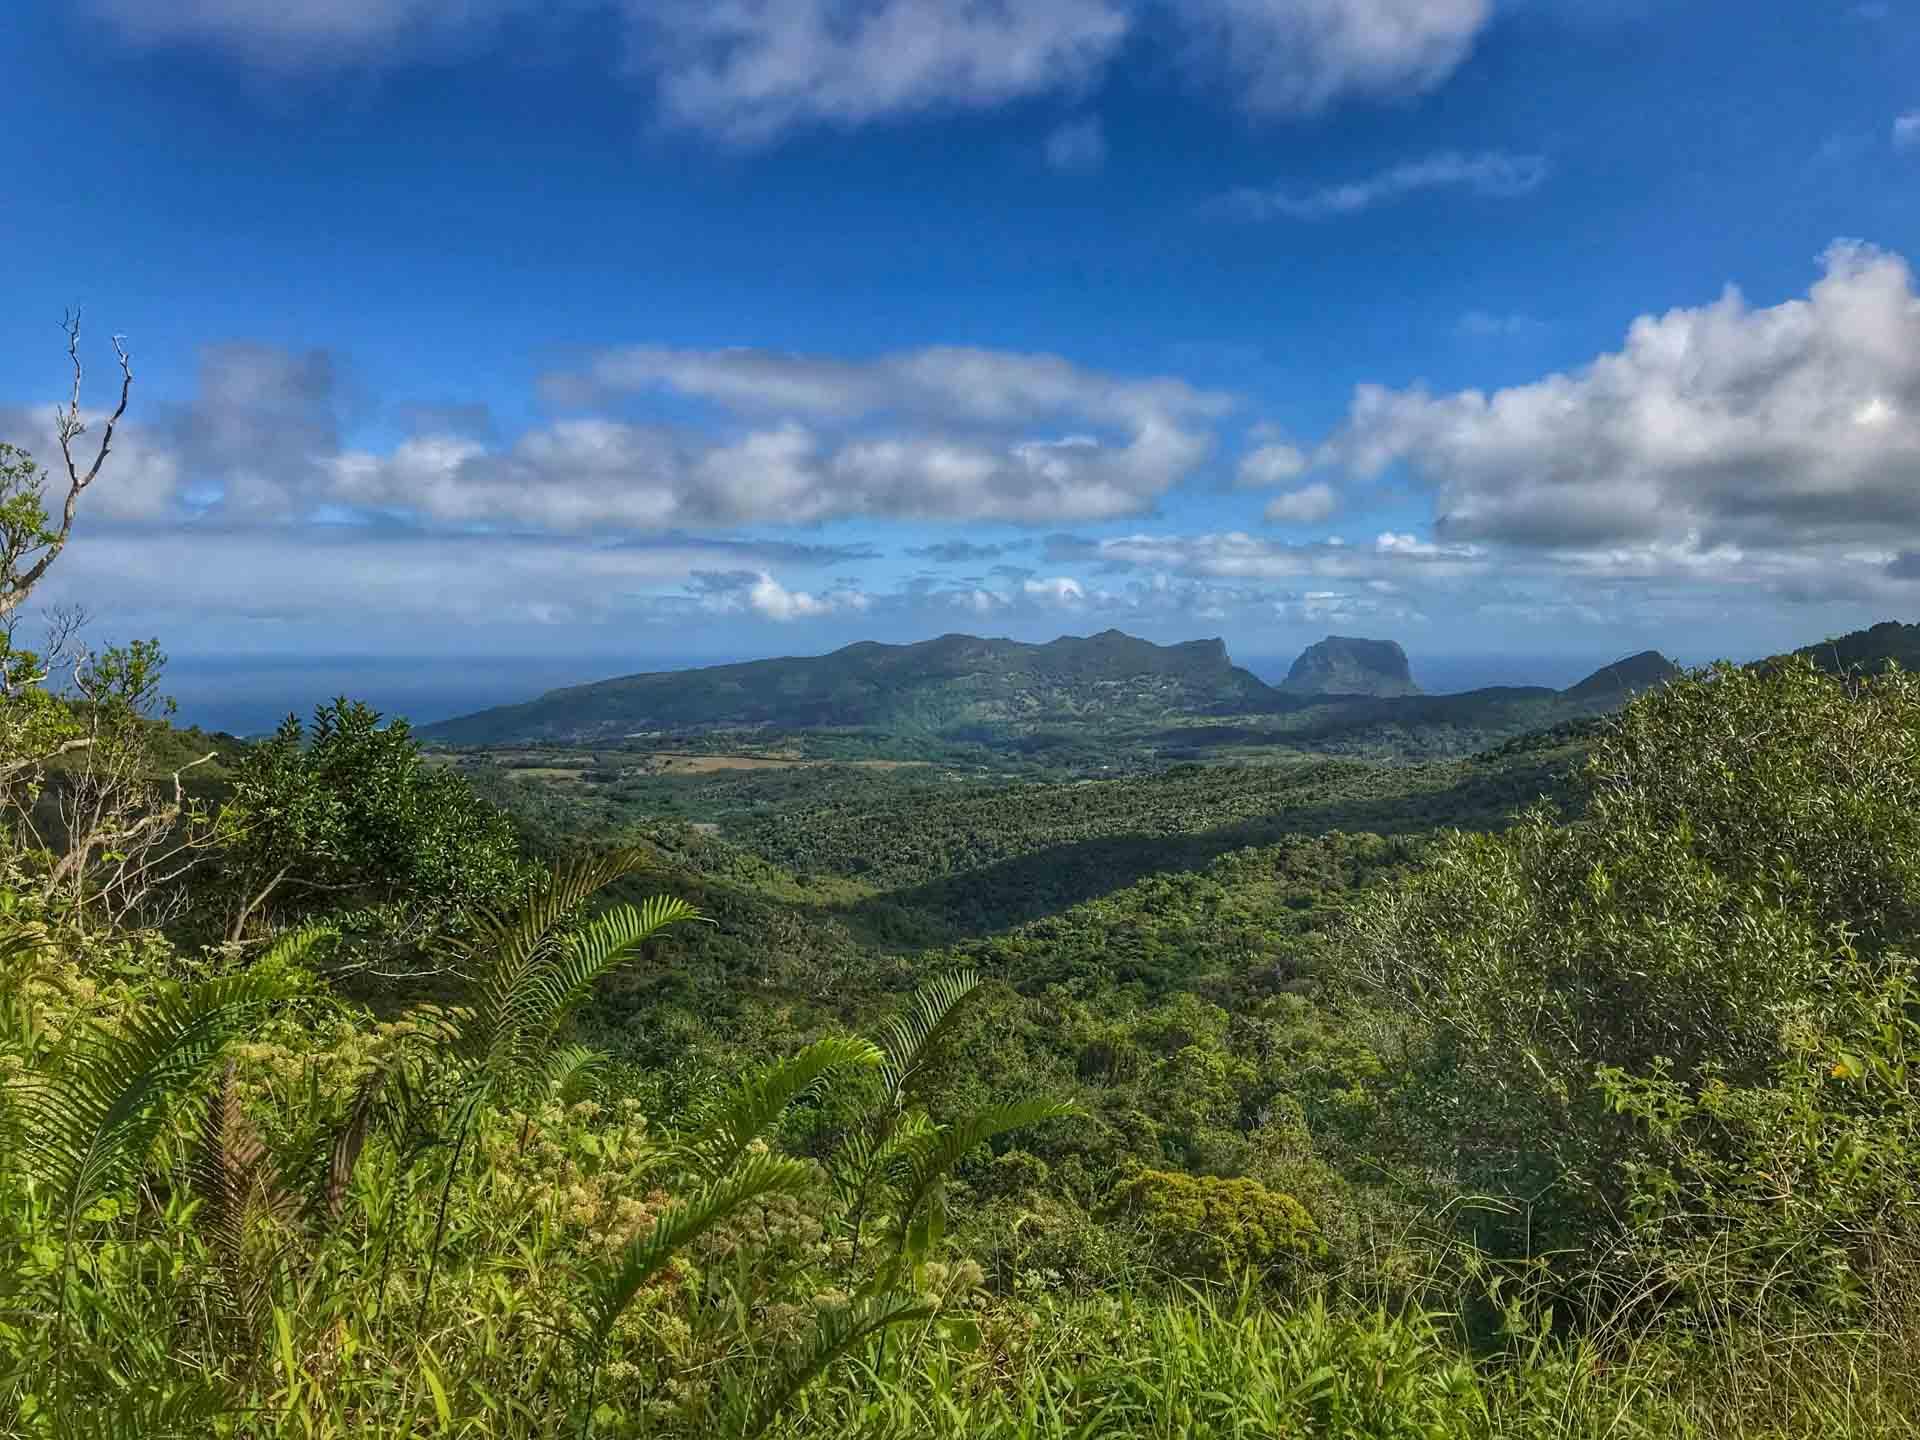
(629, 332)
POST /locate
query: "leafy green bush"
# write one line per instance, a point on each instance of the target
(1584, 998)
(1207, 1226)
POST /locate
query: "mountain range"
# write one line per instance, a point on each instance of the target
(965, 689)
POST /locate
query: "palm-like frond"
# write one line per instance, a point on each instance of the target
(556, 987)
(343, 1155)
(909, 1039)
(745, 1111)
(838, 1332)
(930, 1159)
(244, 1204)
(502, 947)
(866, 1156)
(567, 1074)
(92, 1115)
(614, 1287)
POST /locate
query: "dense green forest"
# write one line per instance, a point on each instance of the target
(1561, 1090)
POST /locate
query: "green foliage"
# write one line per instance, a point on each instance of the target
(1748, 870)
(349, 820)
(95, 1107)
(1215, 1228)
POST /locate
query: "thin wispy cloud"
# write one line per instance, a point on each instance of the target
(1906, 131)
(1495, 174)
(1489, 325)
(1078, 147)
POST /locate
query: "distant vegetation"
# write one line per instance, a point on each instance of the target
(1107, 703)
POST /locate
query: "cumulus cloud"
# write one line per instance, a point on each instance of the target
(1273, 464)
(1494, 173)
(747, 71)
(960, 444)
(1061, 590)
(1305, 506)
(941, 433)
(1078, 147)
(945, 381)
(768, 597)
(1785, 427)
(141, 478)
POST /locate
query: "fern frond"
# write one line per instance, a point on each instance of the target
(292, 948)
(506, 945)
(557, 986)
(909, 1039)
(343, 1155)
(866, 1156)
(568, 1073)
(244, 1205)
(614, 1287)
(92, 1115)
(838, 1332)
(759, 1099)
(931, 1158)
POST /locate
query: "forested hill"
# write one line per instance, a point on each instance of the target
(945, 685)
(1099, 703)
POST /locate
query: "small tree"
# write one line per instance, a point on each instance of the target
(350, 820)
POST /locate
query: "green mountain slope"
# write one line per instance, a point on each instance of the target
(1869, 650)
(956, 685)
(1616, 682)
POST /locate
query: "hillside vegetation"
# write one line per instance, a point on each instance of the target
(1290, 1123)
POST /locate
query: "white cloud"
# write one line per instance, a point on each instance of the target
(1297, 56)
(951, 382)
(324, 575)
(960, 444)
(1060, 590)
(1495, 174)
(139, 480)
(747, 71)
(1306, 506)
(1078, 147)
(941, 433)
(1272, 464)
(1788, 426)
(1906, 131)
(770, 598)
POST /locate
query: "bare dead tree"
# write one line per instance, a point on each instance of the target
(27, 543)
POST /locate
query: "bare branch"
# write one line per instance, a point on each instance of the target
(68, 426)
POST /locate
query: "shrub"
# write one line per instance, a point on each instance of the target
(1746, 871)
(1209, 1227)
